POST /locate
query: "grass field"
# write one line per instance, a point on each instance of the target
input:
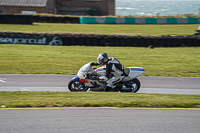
(183, 29)
(97, 99)
(34, 59)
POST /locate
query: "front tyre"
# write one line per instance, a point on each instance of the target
(131, 86)
(76, 86)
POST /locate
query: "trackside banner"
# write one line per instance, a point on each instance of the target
(68, 39)
(39, 40)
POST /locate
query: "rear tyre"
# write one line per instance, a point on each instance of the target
(131, 86)
(76, 86)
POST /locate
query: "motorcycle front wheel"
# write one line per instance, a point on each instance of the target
(131, 86)
(76, 86)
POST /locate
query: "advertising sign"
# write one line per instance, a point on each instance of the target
(39, 40)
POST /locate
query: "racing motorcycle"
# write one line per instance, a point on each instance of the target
(88, 79)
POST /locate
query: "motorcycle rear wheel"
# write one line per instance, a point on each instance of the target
(132, 86)
(76, 86)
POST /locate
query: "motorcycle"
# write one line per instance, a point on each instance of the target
(88, 78)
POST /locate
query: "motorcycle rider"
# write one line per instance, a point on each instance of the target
(113, 67)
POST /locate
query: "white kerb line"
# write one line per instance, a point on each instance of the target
(2, 80)
(25, 89)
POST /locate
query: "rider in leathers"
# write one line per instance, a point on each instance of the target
(113, 67)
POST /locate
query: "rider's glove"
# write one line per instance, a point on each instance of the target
(93, 64)
(103, 78)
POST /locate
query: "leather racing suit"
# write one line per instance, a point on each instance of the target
(116, 69)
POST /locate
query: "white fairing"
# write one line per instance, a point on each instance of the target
(87, 68)
(101, 71)
(135, 71)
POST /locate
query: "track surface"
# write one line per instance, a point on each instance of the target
(98, 120)
(91, 120)
(36, 82)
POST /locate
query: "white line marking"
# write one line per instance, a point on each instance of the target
(25, 89)
(2, 80)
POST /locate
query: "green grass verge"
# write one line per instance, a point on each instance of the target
(45, 59)
(97, 99)
(183, 29)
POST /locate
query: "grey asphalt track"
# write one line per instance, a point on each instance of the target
(37, 82)
(99, 120)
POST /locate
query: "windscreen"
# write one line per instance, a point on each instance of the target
(87, 68)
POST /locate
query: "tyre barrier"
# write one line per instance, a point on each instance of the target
(29, 19)
(16, 19)
(99, 40)
(132, 20)
(48, 19)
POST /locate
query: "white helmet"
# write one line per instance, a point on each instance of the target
(102, 58)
